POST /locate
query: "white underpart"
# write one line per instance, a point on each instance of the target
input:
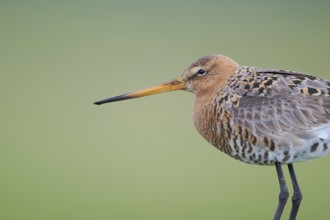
(321, 136)
(323, 132)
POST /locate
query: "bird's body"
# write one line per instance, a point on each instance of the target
(262, 116)
(256, 115)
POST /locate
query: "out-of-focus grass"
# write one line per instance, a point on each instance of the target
(63, 158)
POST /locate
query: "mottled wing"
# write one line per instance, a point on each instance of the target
(281, 104)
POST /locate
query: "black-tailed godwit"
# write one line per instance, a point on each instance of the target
(256, 115)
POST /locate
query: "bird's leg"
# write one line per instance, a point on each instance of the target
(284, 192)
(297, 196)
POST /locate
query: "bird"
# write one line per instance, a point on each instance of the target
(261, 116)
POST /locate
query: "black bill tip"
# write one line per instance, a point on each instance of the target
(98, 103)
(114, 99)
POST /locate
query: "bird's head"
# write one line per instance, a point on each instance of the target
(202, 76)
(208, 73)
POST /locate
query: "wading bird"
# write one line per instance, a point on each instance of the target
(256, 115)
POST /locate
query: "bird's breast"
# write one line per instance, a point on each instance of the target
(214, 124)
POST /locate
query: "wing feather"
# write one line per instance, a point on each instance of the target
(280, 102)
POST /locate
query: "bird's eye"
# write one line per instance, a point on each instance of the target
(201, 72)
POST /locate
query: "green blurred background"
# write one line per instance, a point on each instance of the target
(63, 158)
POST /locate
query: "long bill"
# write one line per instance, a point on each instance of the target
(172, 85)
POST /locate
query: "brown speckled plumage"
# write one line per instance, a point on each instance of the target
(263, 116)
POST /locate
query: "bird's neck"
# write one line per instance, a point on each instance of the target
(202, 114)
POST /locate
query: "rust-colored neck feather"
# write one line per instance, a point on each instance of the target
(206, 89)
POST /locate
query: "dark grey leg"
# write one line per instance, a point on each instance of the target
(297, 196)
(284, 193)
